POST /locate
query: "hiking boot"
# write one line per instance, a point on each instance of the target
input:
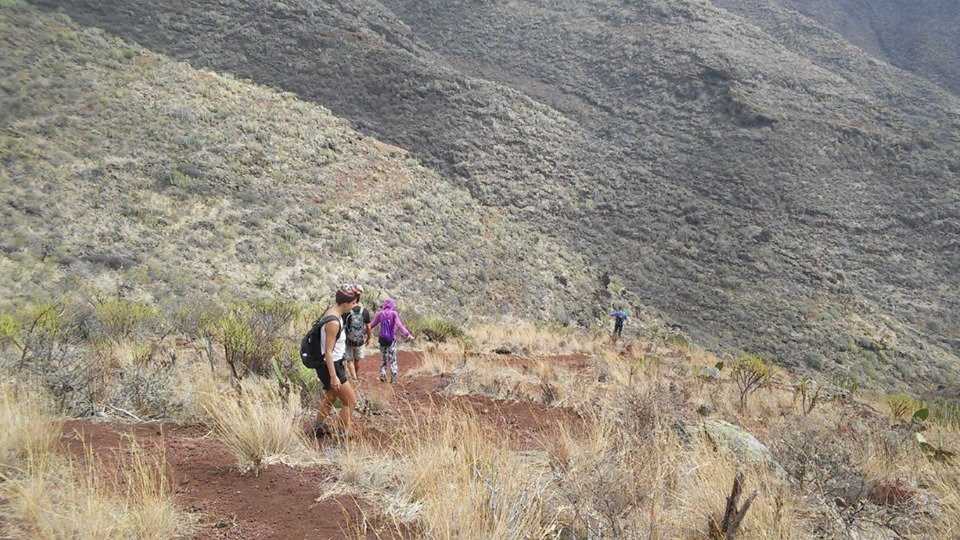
(383, 377)
(393, 378)
(321, 429)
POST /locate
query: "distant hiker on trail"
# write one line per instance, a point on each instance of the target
(619, 317)
(357, 323)
(389, 321)
(333, 375)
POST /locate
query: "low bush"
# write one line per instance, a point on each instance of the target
(254, 334)
(751, 373)
(901, 405)
(120, 318)
(258, 425)
(435, 329)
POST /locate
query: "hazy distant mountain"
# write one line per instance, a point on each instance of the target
(921, 36)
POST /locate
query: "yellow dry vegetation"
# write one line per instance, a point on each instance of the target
(47, 495)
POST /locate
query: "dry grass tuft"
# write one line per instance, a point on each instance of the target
(29, 430)
(526, 339)
(258, 426)
(449, 475)
(130, 498)
(43, 495)
(440, 358)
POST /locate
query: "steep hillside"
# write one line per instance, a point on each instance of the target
(916, 35)
(795, 197)
(122, 170)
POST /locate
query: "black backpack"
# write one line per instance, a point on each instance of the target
(311, 352)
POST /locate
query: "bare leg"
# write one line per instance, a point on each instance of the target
(349, 400)
(323, 411)
(351, 370)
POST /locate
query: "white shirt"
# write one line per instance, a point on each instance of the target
(340, 347)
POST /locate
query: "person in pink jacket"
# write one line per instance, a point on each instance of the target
(390, 326)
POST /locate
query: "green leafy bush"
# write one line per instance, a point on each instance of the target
(900, 405)
(180, 180)
(9, 329)
(435, 329)
(678, 340)
(253, 334)
(751, 373)
(120, 318)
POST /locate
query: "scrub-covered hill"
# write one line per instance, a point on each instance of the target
(768, 185)
(121, 170)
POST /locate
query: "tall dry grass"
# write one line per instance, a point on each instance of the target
(46, 495)
(258, 425)
(131, 497)
(440, 358)
(626, 472)
(448, 475)
(543, 381)
(29, 430)
(620, 479)
(531, 339)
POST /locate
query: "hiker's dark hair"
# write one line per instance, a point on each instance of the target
(345, 298)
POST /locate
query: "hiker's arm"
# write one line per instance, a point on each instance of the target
(331, 333)
(369, 330)
(403, 328)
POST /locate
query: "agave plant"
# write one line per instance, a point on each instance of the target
(936, 453)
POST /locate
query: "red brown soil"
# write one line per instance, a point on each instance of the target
(523, 425)
(280, 501)
(277, 503)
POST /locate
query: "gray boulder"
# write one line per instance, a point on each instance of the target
(740, 442)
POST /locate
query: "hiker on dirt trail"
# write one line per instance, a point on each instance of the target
(619, 317)
(332, 373)
(357, 325)
(389, 321)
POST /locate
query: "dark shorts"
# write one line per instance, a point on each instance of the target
(324, 373)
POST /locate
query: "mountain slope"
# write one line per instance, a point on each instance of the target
(837, 160)
(123, 169)
(795, 197)
(916, 35)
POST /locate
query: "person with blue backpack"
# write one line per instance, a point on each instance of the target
(619, 317)
(323, 349)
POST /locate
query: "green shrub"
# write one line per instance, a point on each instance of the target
(945, 412)
(344, 246)
(180, 180)
(294, 376)
(254, 334)
(120, 318)
(435, 329)
(240, 348)
(901, 405)
(678, 340)
(751, 373)
(9, 329)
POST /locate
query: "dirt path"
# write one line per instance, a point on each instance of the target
(524, 425)
(281, 501)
